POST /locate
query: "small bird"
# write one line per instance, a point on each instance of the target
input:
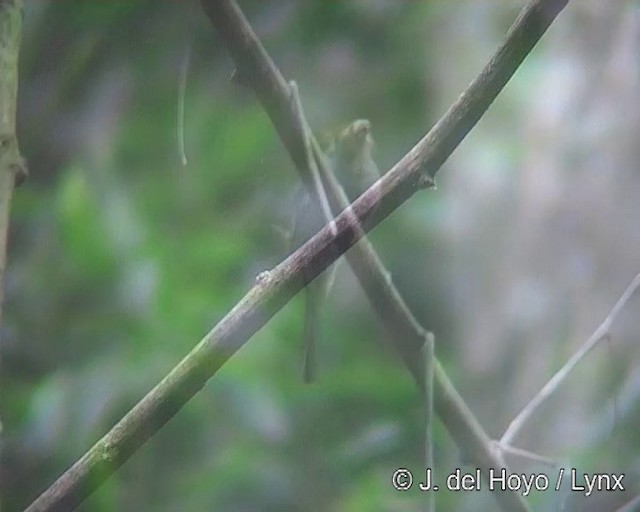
(351, 155)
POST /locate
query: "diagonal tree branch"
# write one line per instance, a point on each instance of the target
(273, 289)
(261, 74)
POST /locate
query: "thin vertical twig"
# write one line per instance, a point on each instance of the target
(318, 188)
(182, 92)
(429, 356)
(12, 165)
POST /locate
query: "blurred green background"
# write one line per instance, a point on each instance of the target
(121, 259)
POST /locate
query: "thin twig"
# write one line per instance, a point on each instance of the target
(526, 454)
(554, 383)
(318, 187)
(429, 357)
(12, 166)
(182, 92)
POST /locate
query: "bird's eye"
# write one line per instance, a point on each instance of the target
(361, 129)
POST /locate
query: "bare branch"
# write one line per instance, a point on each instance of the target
(554, 383)
(262, 75)
(276, 287)
(527, 455)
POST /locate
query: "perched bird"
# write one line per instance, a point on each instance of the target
(351, 155)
